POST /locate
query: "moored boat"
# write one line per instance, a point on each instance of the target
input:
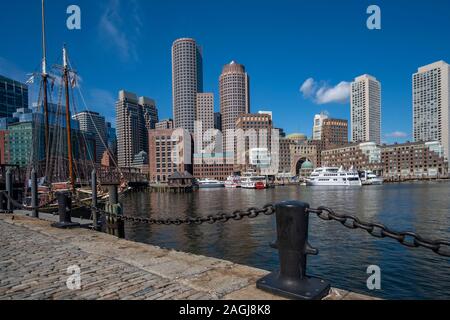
(210, 184)
(233, 182)
(333, 176)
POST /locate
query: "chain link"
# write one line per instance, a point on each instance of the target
(407, 239)
(238, 215)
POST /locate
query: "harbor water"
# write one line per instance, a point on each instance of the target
(345, 255)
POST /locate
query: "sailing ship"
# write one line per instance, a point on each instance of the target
(59, 171)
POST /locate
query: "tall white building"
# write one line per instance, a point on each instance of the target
(94, 123)
(187, 81)
(366, 109)
(318, 123)
(431, 98)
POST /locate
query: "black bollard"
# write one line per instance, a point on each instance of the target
(65, 211)
(291, 280)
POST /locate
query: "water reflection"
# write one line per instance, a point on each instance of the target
(344, 254)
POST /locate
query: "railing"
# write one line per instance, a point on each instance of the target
(292, 220)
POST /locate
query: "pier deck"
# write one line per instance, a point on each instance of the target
(34, 259)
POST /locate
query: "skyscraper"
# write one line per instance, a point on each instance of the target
(133, 124)
(318, 122)
(13, 96)
(431, 99)
(234, 94)
(366, 109)
(94, 123)
(187, 81)
(205, 110)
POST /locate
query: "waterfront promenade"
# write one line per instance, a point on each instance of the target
(34, 258)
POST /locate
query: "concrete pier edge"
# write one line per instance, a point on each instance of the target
(34, 260)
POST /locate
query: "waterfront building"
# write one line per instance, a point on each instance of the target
(431, 99)
(234, 87)
(234, 94)
(164, 124)
(366, 109)
(254, 134)
(204, 119)
(135, 118)
(285, 150)
(217, 171)
(13, 96)
(317, 128)
(170, 152)
(334, 133)
(140, 162)
(112, 141)
(3, 138)
(187, 81)
(300, 153)
(414, 160)
(94, 123)
(360, 156)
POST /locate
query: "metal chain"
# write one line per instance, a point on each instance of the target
(377, 230)
(238, 215)
(19, 205)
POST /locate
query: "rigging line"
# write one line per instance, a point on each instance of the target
(74, 106)
(96, 129)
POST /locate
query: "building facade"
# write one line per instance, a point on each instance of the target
(414, 161)
(13, 96)
(95, 124)
(359, 156)
(366, 109)
(170, 152)
(431, 99)
(164, 124)
(133, 124)
(204, 119)
(253, 134)
(187, 81)
(317, 128)
(334, 133)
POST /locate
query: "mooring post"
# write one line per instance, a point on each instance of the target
(115, 226)
(291, 280)
(34, 195)
(94, 199)
(65, 212)
(9, 189)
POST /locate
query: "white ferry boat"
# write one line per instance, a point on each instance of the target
(252, 181)
(210, 183)
(369, 178)
(233, 182)
(332, 176)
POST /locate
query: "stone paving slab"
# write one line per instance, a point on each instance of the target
(34, 262)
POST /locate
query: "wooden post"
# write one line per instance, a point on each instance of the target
(94, 199)
(9, 189)
(34, 195)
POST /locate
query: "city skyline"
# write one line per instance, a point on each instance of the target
(272, 88)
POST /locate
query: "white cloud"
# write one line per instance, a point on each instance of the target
(308, 87)
(113, 28)
(397, 134)
(322, 93)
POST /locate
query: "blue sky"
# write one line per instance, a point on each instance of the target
(125, 44)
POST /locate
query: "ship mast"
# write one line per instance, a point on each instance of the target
(45, 88)
(68, 119)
